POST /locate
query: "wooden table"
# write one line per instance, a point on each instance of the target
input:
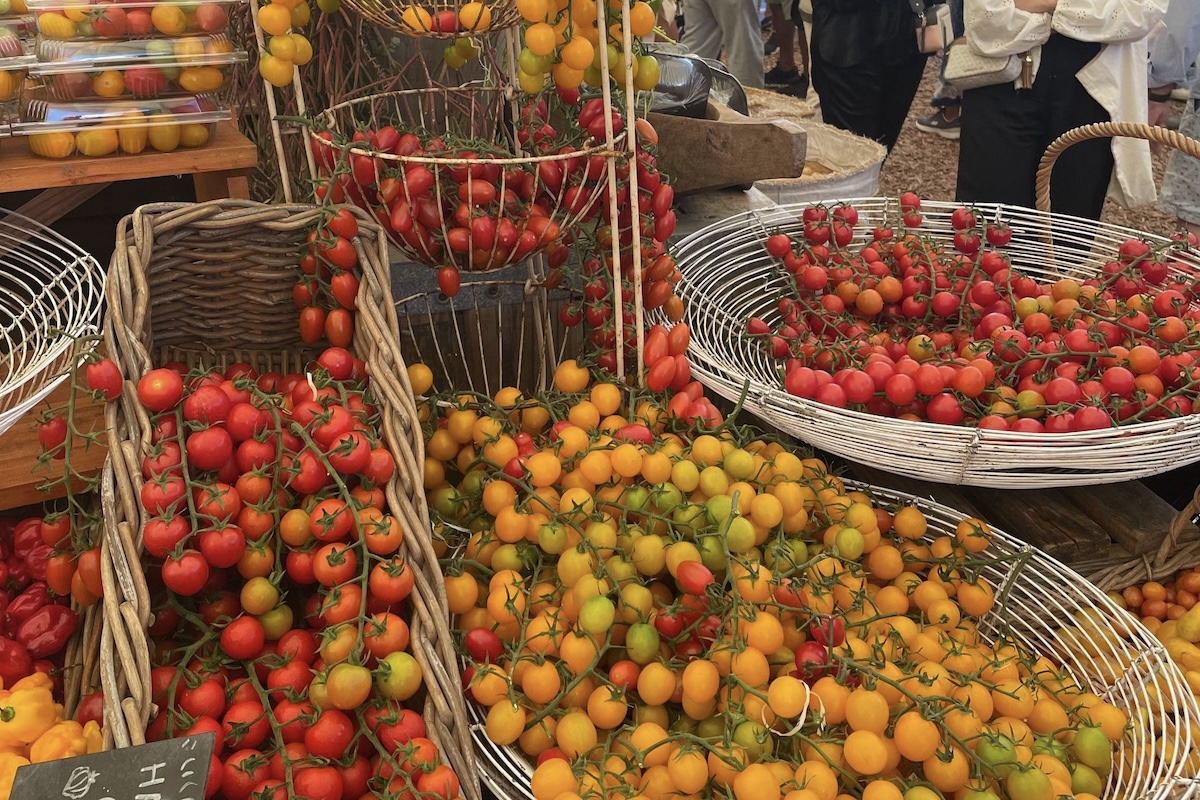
(218, 170)
(19, 444)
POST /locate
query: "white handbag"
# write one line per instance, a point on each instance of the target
(967, 69)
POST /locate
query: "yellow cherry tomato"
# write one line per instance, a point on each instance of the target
(52, 145)
(97, 142)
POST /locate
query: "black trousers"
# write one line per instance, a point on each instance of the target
(872, 98)
(1005, 131)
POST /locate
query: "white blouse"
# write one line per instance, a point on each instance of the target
(1116, 78)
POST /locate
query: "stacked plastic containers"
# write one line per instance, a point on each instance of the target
(126, 77)
(16, 48)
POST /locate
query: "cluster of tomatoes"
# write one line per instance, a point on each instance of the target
(899, 325)
(1170, 610)
(692, 613)
(659, 274)
(443, 210)
(286, 48)
(281, 583)
(563, 44)
(327, 289)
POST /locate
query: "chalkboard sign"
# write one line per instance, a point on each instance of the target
(176, 769)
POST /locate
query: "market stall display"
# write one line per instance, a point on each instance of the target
(803, 630)
(142, 68)
(91, 60)
(1011, 285)
(125, 20)
(61, 129)
(15, 58)
(361, 586)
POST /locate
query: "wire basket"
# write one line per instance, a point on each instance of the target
(51, 295)
(531, 200)
(171, 259)
(504, 331)
(728, 277)
(430, 19)
(1037, 598)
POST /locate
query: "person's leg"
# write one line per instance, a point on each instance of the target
(1180, 193)
(742, 36)
(785, 35)
(900, 87)
(701, 31)
(1082, 173)
(1001, 143)
(848, 94)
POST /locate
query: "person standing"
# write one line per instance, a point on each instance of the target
(785, 77)
(1172, 66)
(710, 25)
(865, 65)
(1085, 62)
(946, 118)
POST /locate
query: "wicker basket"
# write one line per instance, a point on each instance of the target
(729, 277)
(1171, 556)
(172, 260)
(1036, 596)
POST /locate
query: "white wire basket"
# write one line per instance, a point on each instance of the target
(51, 296)
(1037, 599)
(729, 277)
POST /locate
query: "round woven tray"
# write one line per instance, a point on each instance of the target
(728, 277)
(211, 283)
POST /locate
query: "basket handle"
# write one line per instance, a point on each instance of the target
(1106, 130)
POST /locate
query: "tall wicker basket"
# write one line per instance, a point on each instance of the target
(211, 284)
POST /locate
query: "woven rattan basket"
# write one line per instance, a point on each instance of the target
(1172, 555)
(171, 262)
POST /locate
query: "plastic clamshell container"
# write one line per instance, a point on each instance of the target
(58, 129)
(12, 77)
(15, 60)
(146, 68)
(24, 25)
(88, 19)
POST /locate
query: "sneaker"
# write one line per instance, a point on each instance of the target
(938, 124)
(789, 82)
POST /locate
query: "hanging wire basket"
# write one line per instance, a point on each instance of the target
(51, 296)
(469, 158)
(439, 19)
(1040, 603)
(500, 331)
(728, 277)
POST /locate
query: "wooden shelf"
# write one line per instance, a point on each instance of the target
(229, 153)
(18, 480)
